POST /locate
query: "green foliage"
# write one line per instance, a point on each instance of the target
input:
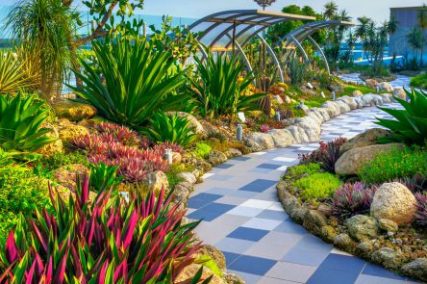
(8, 221)
(170, 128)
(303, 169)
(174, 170)
(297, 71)
(219, 89)
(131, 82)
(419, 81)
(317, 186)
(395, 165)
(21, 120)
(202, 150)
(410, 123)
(103, 177)
(13, 75)
(58, 160)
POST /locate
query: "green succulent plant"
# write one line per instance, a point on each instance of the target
(21, 120)
(410, 123)
(103, 177)
(130, 81)
(171, 128)
(219, 88)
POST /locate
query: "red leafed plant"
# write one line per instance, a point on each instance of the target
(352, 199)
(121, 134)
(421, 215)
(109, 240)
(264, 128)
(327, 155)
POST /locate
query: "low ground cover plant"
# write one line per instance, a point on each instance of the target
(419, 81)
(106, 241)
(317, 186)
(303, 169)
(398, 164)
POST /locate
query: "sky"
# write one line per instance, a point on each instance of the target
(376, 9)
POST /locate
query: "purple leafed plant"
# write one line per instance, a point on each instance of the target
(352, 199)
(103, 241)
(421, 215)
(120, 134)
(327, 155)
(264, 128)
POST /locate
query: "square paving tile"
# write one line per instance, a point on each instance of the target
(343, 262)
(258, 185)
(224, 166)
(241, 159)
(269, 166)
(234, 245)
(368, 279)
(202, 199)
(291, 271)
(288, 226)
(230, 257)
(332, 276)
(248, 234)
(256, 203)
(210, 212)
(376, 270)
(273, 215)
(245, 211)
(262, 224)
(303, 256)
(253, 265)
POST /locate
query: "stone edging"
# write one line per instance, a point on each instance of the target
(328, 228)
(307, 129)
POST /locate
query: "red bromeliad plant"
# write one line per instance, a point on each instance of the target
(327, 155)
(104, 241)
(119, 133)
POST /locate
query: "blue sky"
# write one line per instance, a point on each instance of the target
(377, 9)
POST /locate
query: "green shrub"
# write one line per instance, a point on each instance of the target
(317, 186)
(174, 170)
(303, 169)
(131, 82)
(218, 88)
(395, 165)
(419, 81)
(409, 124)
(170, 128)
(202, 150)
(58, 160)
(103, 177)
(21, 120)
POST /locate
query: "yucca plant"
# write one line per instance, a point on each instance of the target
(219, 88)
(21, 120)
(108, 240)
(130, 82)
(14, 74)
(410, 123)
(103, 177)
(170, 128)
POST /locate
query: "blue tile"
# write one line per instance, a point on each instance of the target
(252, 264)
(303, 256)
(230, 257)
(258, 185)
(331, 276)
(269, 166)
(343, 262)
(211, 211)
(202, 199)
(310, 242)
(376, 270)
(224, 166)
(273, 215)
(241, 158)
(289, 226)
(248, 234)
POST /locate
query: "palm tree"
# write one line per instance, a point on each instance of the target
(331, 9)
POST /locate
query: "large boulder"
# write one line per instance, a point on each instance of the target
(362, 227)
(371, 83)
(282, 137)
(384, 86)
(399, 93)
(187, 177)
(260, 140)
(74, 111)
(352, 161)
(216, 157)
(367, 138)
(395, 202)
(300, 136)
(417, 268)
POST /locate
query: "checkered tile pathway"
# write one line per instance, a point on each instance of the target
(243, 217)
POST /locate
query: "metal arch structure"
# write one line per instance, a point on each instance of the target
(232, 30)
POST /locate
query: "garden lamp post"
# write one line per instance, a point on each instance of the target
(264, 3)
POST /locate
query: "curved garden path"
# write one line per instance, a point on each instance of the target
(243, 217)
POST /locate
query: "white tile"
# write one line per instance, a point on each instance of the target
(259, 153)
(245, 211)
(282, 169)
(285, 159)
(262, 224)
(256, 203)
(277, 206)
(207, 175)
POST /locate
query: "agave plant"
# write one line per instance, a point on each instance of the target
(13, 73)
(130, 82)
(21, 119)
(109, 240)
(409, 124)
(170, 128)
(219, 88)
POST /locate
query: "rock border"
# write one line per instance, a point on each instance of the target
(348, 236)
(307, 129)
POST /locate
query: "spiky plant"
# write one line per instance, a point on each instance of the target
(108, 240)
(421, 215)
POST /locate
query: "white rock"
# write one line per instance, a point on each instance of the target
(399, 93)
(395, 202)
(260, 140)
(310, 86)
(282, 137)
(188, 177)
(386, 87)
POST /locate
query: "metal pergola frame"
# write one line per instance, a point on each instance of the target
(235, 28)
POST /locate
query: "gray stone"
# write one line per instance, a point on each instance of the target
(362, 227)
(261, 140)
(232, 152)
(395, 202)
(343, 241)
(314, 221)
(187, 177)
(282, 137)
(399, 93)
(217, 157)
(387, 257)
(300, 136)
(386, 87)
(367, 138)
(365, 248)
(416, 268)
(388, 225)
(352, 161)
